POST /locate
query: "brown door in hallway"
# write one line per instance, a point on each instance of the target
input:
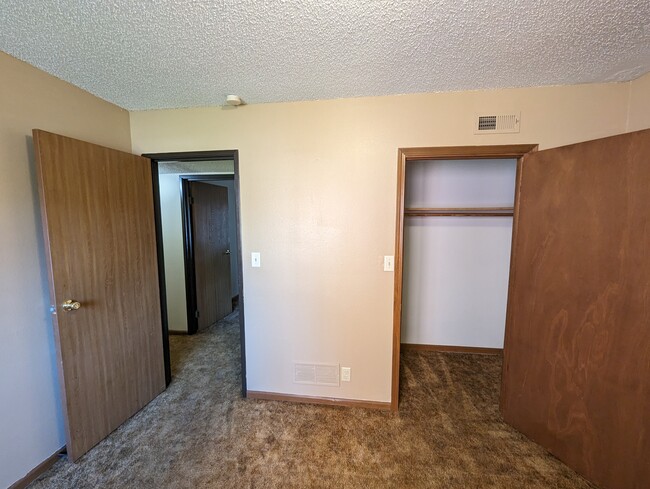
(576, 374)
(211, 252)
(98, 223)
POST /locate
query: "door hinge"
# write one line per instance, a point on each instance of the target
(196, 314)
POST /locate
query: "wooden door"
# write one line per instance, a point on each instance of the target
(98, 223)
(576, 375)
(211, 245)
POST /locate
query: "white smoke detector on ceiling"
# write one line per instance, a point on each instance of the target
(233, 100)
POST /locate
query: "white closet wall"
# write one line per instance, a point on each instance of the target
(456, 268)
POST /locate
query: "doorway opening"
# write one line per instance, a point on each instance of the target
(196, 200)
(209, 247)
(440, 211)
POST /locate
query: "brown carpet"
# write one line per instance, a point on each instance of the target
(200, 433)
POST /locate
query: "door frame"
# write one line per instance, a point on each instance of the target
(195, 157)
(188, 243)
(404, 156)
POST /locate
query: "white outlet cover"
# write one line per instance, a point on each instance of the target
(389, 263)
(256, 260)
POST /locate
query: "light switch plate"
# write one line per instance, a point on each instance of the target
(389, 263)
(256, 260)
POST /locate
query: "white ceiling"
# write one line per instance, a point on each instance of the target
(148, 54)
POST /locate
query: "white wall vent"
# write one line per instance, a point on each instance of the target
(316, 373)
(496, 123)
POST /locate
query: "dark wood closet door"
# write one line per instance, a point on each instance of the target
(576, 375)
(211, 252)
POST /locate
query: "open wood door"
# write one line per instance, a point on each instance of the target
(211, 243)
(98, 223)
(576, 376)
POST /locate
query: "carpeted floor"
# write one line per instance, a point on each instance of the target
(200, 433)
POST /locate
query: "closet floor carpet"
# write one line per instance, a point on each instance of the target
(200, 433)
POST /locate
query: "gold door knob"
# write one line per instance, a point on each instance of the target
(70, 305)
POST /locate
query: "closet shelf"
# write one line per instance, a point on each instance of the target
(459, 211)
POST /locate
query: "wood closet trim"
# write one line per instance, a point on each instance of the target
(466, 152)
(404, 155)
(452, 349)
(325, 401)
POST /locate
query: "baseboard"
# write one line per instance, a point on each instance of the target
(326, 401)
(33, 474)
(453, 349)
(180, 333)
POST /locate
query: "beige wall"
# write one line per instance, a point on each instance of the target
(30, 414)
(318, 186)
(639, 104)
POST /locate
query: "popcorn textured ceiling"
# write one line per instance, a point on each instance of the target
(151, 54)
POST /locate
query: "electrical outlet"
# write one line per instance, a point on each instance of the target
(389, 263)
(256, 261)
(345, 374)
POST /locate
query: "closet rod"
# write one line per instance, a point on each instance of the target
(460, 212)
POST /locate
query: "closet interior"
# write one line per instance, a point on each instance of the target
(457, 237)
